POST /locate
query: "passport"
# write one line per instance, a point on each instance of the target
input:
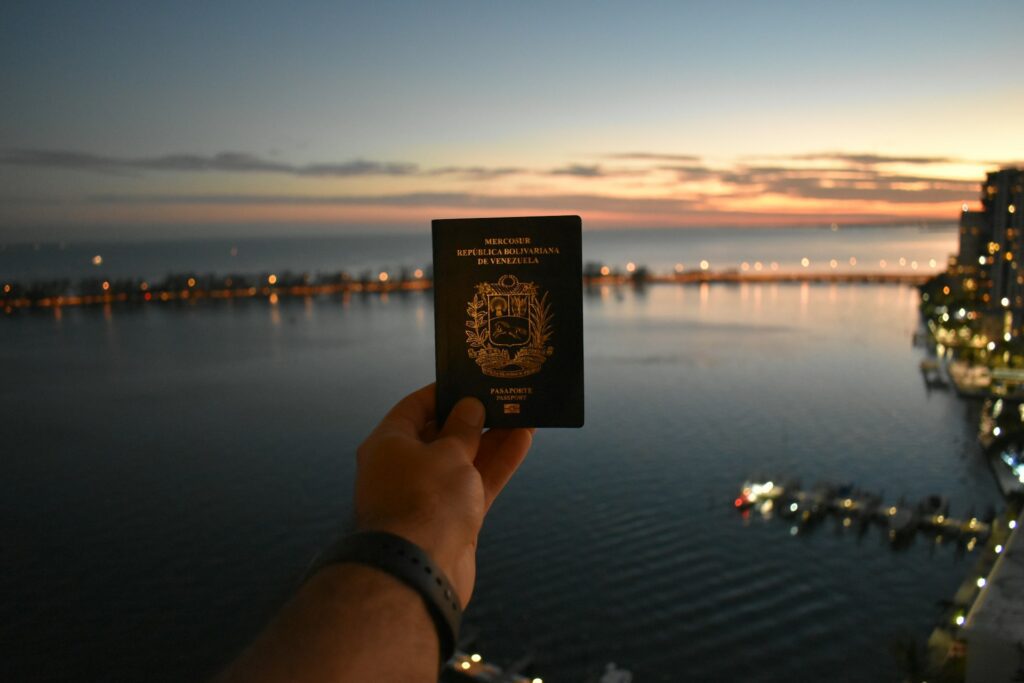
(508, 318)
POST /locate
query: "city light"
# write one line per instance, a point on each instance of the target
(605, 270)
(106, 286)
(1005, 302)
(1007, 337)
(805, 262)
(960, 620)
(745, 266)
(1012, 524)
(775, 265)
(192, 282)
(833, 264)
(465, 665)
(903, 261)
(383, 276)
(981, 582)
(475, 657)
(630, 267)
(1011, 208)
(271, 279)
(679, 267)
(996, 431)
(418, 273)
(882, 263)
(758, 265)
(704, 265)
(931, 263)
(991, 346)
(97, 260)
(853, 260)
(998, 549)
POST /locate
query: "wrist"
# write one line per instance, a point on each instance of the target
(407, 563)
(439, 546)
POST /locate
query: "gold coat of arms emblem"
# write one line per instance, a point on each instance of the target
(509, 327)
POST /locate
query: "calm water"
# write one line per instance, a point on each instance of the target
(169, 471)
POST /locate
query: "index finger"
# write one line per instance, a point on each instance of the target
(410, 415)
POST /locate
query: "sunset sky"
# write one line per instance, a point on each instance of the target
(137, 119)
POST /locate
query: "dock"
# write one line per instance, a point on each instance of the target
(853, 506)
(947, 645)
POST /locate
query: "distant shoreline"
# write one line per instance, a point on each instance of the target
(49, 295)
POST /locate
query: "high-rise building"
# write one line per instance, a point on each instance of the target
(1002, 199)
(975, 234)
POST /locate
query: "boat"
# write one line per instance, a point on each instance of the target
(902, 521)
(613, 674)
(931, 371)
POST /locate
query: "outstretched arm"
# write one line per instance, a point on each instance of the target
(354, 623)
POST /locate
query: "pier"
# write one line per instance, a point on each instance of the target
(900, 520)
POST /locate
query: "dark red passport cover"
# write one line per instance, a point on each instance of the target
(508, 318)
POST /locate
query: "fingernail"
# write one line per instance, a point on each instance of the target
(470, 411)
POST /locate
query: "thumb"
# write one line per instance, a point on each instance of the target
(464, 425)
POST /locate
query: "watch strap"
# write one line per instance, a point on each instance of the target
(410, 564)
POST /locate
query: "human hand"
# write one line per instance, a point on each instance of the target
(434, 488)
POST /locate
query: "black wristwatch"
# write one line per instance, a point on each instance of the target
(411, 565)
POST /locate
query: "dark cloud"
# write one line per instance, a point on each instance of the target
(573, 202)
(685, 173)
(475, 172)
(652, 156)
(867, 159)
(849, 177)
(579, 170)
(236, 162)
(846, 184)
(77, 161)
(359, 167)
(746, 175)
(233, 162)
